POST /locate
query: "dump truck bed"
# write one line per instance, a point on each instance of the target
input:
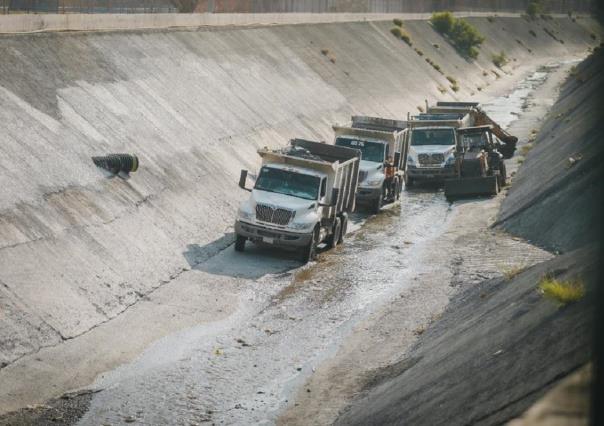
(378, 123)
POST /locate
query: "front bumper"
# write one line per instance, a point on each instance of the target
(431, 173)
(368, 194)
(271, 236)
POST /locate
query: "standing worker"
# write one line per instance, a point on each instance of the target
(389, 171)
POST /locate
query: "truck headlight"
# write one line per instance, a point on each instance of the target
(246, 215)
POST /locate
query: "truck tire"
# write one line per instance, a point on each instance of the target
(378, 203)
(343, 228)
(310, 251)
(503, 178)
(334, 238)
(240, 243)
(398, 188)
(409, 182)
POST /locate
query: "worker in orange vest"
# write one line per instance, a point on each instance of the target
(389, 170)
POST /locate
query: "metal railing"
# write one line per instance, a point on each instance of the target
(87, 6)
(282, 6)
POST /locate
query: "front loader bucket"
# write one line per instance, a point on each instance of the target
(471, 186)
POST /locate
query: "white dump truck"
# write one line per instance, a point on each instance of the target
(301, 197)
(383, 144)
(433, 146)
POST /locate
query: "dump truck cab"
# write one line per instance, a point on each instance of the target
(382, 143)
(432, 148)
(300, 199)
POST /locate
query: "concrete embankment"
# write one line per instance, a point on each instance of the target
(555, 200)
(501, 345)
(78, 247)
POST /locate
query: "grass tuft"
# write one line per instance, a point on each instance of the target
(525, 149)
(563, 292)
(324, 52)
(512, 272)
(418, 51)
(397, 22)
(451, 80)
(500, 59)
(401, 34)
(533, 33)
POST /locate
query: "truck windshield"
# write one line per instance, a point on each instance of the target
(421, 137)
(370, 151)
(474, 140)
(288, 183)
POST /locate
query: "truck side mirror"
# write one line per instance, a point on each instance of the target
(242, 179)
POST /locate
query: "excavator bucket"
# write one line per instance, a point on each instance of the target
(471, 186)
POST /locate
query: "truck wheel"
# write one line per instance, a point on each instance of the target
(310, 251)
(334, 238)
(240, 243)
(378, 203)
(343, 228)
(398, 188)
(409, 182)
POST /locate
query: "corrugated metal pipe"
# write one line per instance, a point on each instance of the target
(116, 163)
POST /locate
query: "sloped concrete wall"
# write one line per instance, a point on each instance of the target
(555, 199)
(77, 247)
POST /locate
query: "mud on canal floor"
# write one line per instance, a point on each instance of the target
(304, 341)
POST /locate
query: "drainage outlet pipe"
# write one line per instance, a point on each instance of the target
(116, 163)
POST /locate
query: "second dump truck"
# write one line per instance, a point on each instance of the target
(301, 197)
(383, 144)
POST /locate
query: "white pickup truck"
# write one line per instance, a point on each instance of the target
(301, 198)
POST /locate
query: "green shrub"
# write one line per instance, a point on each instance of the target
(397, 22)
(466, 37)
(401, 34)
(451, 80)
(455, 87)
(419, 52)
(534, 8)
(443, 22)
(500, 59)
(463, 35)
(396, 31)
(490, 19)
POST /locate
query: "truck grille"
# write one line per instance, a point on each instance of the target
(362, 176)
(269, 214)
(427, 159)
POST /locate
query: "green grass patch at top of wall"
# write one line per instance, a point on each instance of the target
(463, 36)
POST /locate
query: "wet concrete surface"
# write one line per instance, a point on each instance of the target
(248, 368)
